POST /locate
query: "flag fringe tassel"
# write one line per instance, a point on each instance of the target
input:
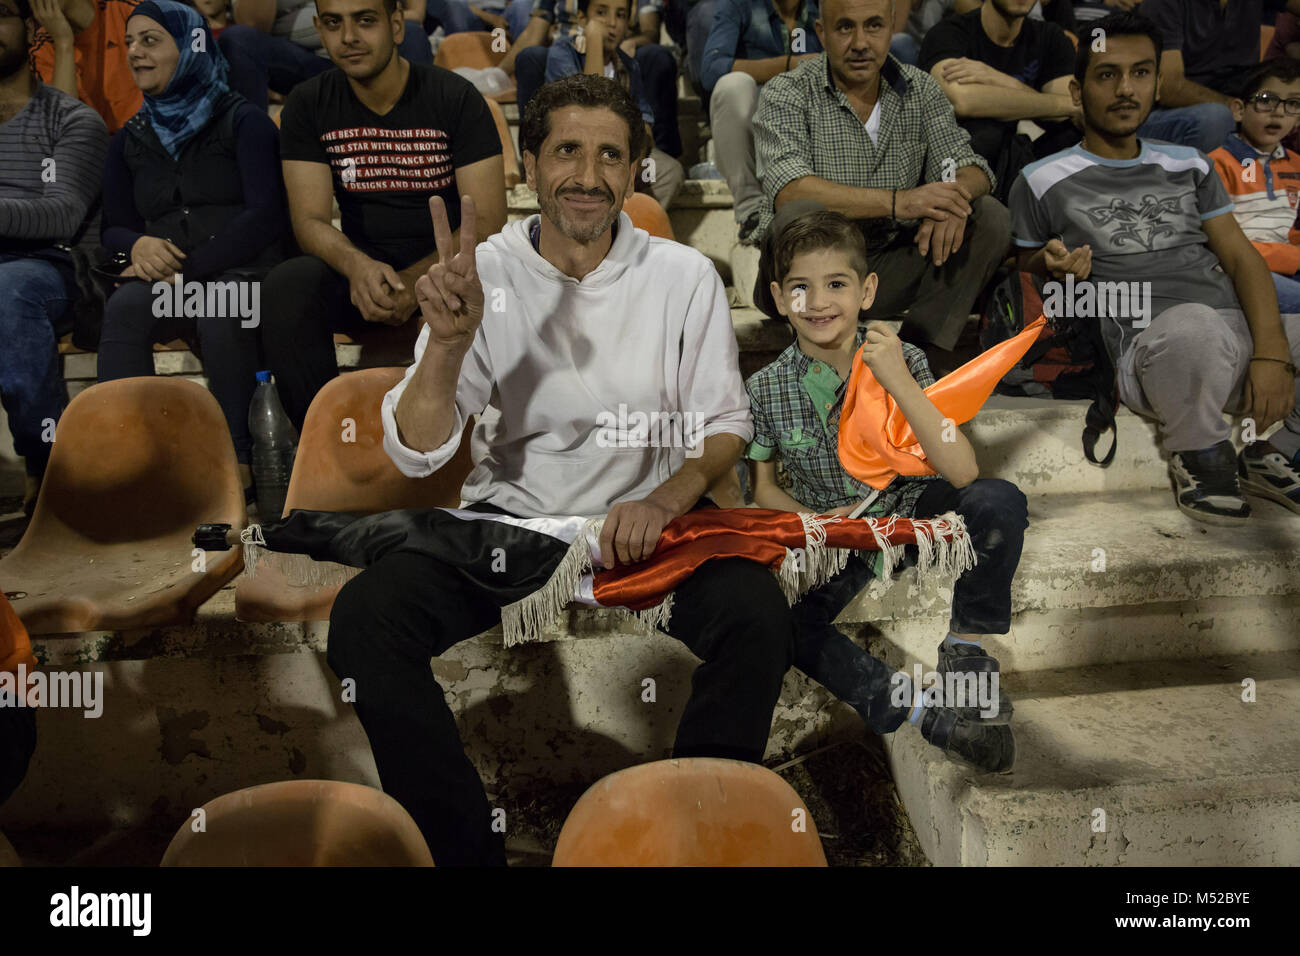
(527, 619)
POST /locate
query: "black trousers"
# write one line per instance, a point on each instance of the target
(229, 351)
(17, 743)
(388, 622)
(304, 302)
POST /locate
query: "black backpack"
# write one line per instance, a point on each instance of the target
(1069, 360)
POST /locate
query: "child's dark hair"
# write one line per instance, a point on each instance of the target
(1122, 24)
(814, 231)
(583, 4)
(1284, 68)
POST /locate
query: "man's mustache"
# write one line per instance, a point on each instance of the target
(588, 193)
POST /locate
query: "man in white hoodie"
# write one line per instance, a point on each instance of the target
(558, 321)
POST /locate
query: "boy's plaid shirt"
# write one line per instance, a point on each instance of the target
(796, 402)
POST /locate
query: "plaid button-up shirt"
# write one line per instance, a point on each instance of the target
(805, 126)
(796, 402)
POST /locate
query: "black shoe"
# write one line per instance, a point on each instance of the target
(1264, 471)
(970, 658)
(749, 228)
(1206, 486)
(991, 747)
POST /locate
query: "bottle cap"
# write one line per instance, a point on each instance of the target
(264, 376)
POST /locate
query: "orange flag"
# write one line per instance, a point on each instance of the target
(876, 442)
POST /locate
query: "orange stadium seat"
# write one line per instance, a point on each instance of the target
(137, 463)
(647, 214)
(1265, 38)
(473, 49)
(301, 823)
(697, 812)
(334, 474)
(508, 154)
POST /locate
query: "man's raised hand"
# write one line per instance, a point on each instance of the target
(450, 294)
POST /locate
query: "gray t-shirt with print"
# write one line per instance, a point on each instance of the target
(1142, 217)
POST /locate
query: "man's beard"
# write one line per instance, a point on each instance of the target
(11, 61)
(1002, 7)
(1108, 124)
(554, 210)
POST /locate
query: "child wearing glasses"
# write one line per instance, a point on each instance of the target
(1262, 176)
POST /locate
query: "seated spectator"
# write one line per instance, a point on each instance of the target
(527, 61)
(526, 58)
(1154, 220)
(216, 14)
(997, 67)
(192, 193)
(460, 16)
(822, 282)
(277, 44)
(1207, 48)
(858, 132)
(751, 42)
(51, 160)
(103, 80)
(382, 136)
(1262, 176)
(604, 25)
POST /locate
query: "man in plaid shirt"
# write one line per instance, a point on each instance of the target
(857, 131)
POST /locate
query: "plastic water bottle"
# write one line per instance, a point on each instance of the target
(275, 442)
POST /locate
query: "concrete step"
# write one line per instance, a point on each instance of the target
(1116, 576)
(219, 704)
(1185, 772)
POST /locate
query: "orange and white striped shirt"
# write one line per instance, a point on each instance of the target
(1265, 191)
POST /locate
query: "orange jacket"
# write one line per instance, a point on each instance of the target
(104, 81)
(1265, 193)
(15, 648)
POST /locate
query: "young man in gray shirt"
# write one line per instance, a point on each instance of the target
(1143, 237)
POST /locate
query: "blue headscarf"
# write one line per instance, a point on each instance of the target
(186, 105)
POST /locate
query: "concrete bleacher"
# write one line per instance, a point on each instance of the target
(1127, 675)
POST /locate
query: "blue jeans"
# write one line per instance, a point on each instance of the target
(659, 79)
(905, 49)
(1205, 126)
(996, 516)
(828, 656)
(530, 74)
(1288, 293)
(260, 61)
(37, 296)
(699, 21)
(455, 16)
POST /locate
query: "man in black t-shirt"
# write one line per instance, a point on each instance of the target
(382, 136)
(998, 67)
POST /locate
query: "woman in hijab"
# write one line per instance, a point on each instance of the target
(193, 197)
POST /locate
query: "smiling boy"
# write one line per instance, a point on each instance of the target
(796, 401)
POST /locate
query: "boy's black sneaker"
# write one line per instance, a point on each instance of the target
(1266, 472)
(990, 747)
(969, 658)
(1205, 485)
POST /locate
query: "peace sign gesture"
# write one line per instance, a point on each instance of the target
(449, 294)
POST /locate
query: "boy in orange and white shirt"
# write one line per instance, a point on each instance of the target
(1263, 177)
